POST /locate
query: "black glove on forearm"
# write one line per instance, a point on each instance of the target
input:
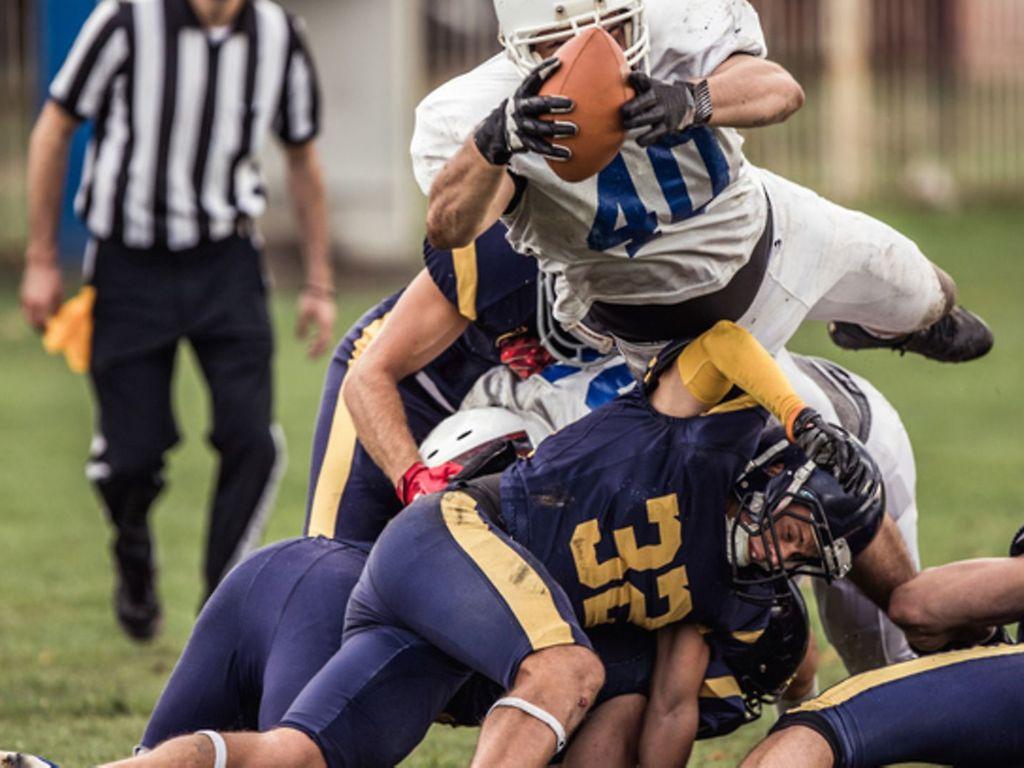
(662, 108)
(515, 126)
(834, 449)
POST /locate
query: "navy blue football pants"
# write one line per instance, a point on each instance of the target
(444, 594)
(961, 708)
(214, 296)
(266, 631)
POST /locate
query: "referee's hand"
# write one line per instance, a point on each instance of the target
(42, 291)
(316, 319)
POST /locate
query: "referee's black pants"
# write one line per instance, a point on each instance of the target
(146, 301)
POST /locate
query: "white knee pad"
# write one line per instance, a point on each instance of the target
(220, 748)
(533, 711)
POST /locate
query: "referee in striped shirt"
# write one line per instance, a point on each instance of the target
(182, 95)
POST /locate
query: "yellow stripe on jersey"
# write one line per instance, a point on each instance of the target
(519, 585)
(854, 686)
(341, 447)
(464, 260)
(369, 333)
(748, 637)
(720, 688)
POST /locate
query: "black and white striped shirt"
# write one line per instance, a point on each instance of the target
(180, 116)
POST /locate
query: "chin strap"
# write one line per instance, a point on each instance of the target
(533, 710)
(220, 748)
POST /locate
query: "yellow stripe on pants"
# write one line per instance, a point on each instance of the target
(341, 447)
(854, 686)
(519, 585)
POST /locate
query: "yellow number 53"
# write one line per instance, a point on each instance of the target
(672, 585)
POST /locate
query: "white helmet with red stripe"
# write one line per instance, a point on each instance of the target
(526, 23)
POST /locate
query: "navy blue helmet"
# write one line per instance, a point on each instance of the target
(780, 482)
(765, 668)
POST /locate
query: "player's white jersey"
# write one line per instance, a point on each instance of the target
(659, 225)
(553, 398)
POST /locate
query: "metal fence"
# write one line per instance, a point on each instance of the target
(906, 98)
(918, 98)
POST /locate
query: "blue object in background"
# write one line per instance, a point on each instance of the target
(58, 23)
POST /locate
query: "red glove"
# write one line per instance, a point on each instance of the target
(419, 480)
(525, 355)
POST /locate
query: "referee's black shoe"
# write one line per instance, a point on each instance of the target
(957, 337)
(135, 599)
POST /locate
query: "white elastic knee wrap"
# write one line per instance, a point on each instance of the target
(534, 711)
(220, 748)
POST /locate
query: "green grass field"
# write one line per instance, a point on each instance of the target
(74, 690)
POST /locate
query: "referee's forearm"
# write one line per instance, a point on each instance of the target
(47, 167)
(309, 197)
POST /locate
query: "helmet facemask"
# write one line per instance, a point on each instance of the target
(608, 14)
(565, 346)
(759, 515)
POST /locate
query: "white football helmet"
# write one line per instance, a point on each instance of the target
(523, 24)
(468, 433)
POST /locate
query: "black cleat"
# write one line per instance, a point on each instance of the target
(956, 337)
(135, 600)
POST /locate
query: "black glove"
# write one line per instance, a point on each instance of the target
(834, 449)
(662, 108)
(515, 125)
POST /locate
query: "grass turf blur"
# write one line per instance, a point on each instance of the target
(73, 689)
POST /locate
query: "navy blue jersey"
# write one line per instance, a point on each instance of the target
(626, 511)
(491, 285)
(494, 288)
(960, 708)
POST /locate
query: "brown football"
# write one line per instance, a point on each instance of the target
(593, 74)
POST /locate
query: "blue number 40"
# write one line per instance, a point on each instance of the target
(616, 192)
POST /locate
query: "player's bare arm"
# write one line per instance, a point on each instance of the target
(673, 712)
(467, 197)
(41, 287)
(940, 604)
(421, 326)
(316, 302)
(884, 565)
(473, 189)
(748, 92)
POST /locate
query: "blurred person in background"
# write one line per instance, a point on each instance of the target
(181, 95)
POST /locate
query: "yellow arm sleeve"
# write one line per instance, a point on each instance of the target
(727, 356)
